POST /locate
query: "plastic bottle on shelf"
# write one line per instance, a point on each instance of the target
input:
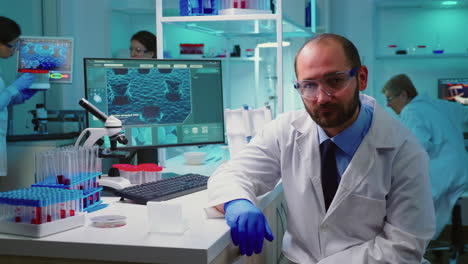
(437, 47)
(210, 7)
(411, 49)
(421, 49)
(391, 49)
(192, 7)
(242, 7)
(184, 8)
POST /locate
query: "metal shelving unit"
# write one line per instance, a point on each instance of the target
(237, 26)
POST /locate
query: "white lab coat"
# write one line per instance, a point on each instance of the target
(438, 126)
(382, 211)
(7, 97)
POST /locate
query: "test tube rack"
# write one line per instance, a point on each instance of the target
(37, 212)
(45, 229)
(86, 182)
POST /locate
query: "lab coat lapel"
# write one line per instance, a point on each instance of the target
(310, 158)
(355, 173)
(364, 158)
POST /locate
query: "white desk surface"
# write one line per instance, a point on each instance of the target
(201, 243)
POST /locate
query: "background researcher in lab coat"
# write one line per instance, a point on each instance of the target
(15, 93)
(382, 211)
(438, 125)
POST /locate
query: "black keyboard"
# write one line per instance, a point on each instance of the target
(164, 189)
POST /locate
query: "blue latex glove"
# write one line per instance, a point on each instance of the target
(28, 93)
(248, 226)
(23, 82)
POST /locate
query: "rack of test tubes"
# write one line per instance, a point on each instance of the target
(72, 168)
(38, 212)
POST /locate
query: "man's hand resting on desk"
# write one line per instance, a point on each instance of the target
(248, 226)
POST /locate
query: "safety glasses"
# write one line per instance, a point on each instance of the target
(14, 46)
(390, 98)
(137, 50)
(330, 84)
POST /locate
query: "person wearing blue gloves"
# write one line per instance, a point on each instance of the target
(15, 93)
(438, 125)
(248, 226)
(355, 180)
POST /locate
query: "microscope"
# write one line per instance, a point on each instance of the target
(113, 129)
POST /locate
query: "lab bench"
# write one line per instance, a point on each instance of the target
(206, 240)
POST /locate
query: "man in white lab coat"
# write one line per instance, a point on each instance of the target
(438, 125)
(15, 93)
(381, 211)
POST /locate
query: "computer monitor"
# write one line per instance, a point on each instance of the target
(451, 87)
(51, 58)
(161, 103)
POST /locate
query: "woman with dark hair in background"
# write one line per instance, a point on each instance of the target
(15, 93)
(143, 45)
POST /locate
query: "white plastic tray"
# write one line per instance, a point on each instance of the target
(41, 230)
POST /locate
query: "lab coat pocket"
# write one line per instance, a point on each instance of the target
(365, 214)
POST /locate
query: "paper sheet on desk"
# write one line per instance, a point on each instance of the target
(211, 212)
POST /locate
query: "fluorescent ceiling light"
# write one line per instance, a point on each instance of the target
(272, 44)
(449, 3)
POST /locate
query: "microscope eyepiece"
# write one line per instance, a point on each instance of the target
(93, 110)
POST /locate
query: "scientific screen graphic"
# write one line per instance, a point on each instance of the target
(47, 54)
(451, 87)
(137, 96)
(160, 102)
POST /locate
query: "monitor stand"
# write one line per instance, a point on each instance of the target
(147, 156)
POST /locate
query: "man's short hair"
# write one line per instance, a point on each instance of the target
(350, 51)
(398, 84)
(9, 30)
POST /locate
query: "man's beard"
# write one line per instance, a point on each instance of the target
(341, 112)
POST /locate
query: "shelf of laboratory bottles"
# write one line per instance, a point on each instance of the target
(226, 25)
(239, 25)
(219, 18)
(423, 56)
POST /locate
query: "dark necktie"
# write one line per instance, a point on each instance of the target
(329, 171)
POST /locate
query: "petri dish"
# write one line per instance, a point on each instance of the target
(109, 221)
